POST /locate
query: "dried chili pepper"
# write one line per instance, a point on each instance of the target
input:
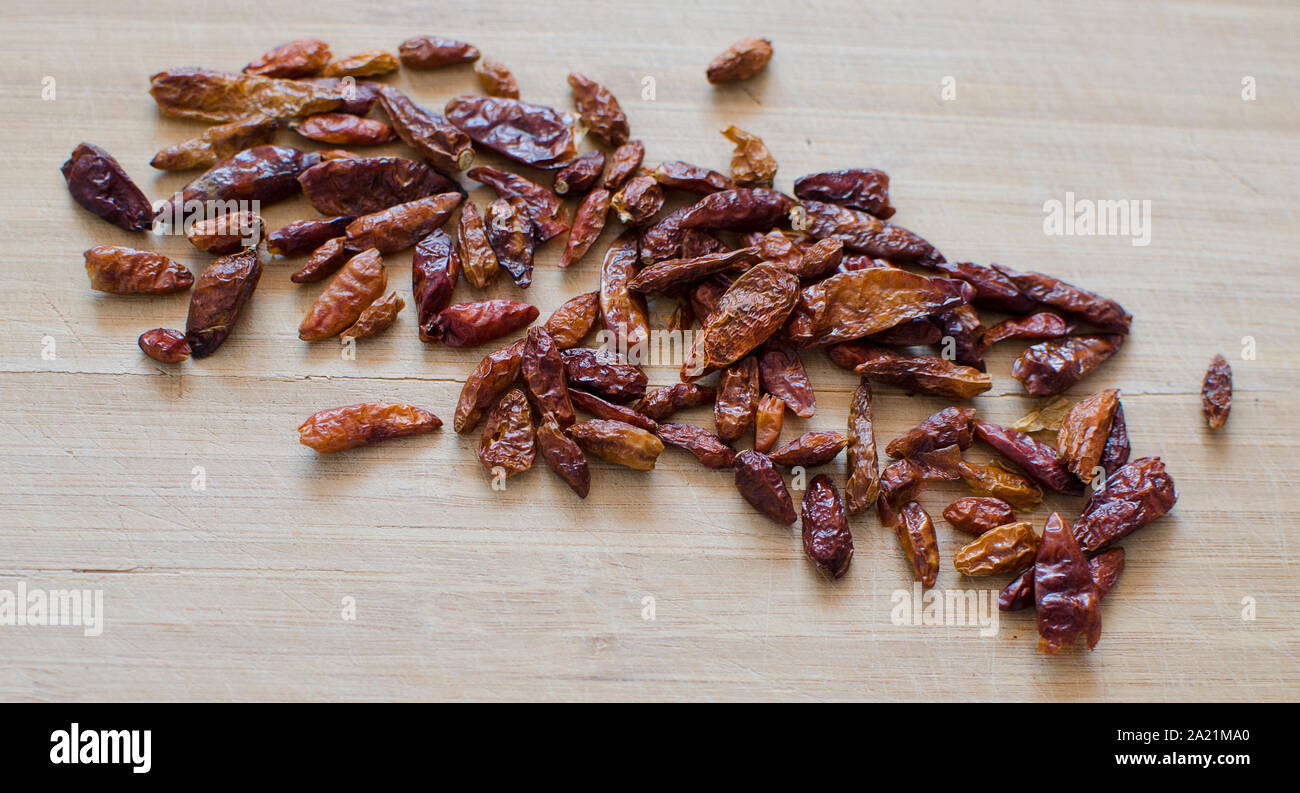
(262, 173)
(359, 96)
(638, 201)
(993, 290)
(510, 234)
(820, 259)
(302, 236)
(1104, 568)
(863, 484)
(323, 262)
(1007, 548)
(220, 97)
(782, 374)
(925, 374)
(903, 480)
(663, 240)
(605, 372)
(472, 324)
(127, 271)
(364, 64)
(761, 485)
(99, 184)
(226, 233)
(433, 137)
(475, 247)
(1216, 392)
(376, 317)
(691, 178)
(916, 537)
(529, 134)
(707, 447)
(864, 233)
(815, 447)
(962, 325)
(1133, 496)
(563, 455)
(1105, 314)
(737, 400)
(623, 163)
(1034, 458)
(743, 209)
(164, 345)
(752, 165)
(603, 409)
(754, 308)
(299, 58)
(1050, 367)
(599, 109)
(857, 188)
(1064, 594)
(587, 226)
(216, 144)
(402, 226)
(978, 514)
(917, 332)
(741, 61)
(705, 297)
(623, 312)
(618, 442)
(334, 430)
(1084, 432)
(496, 79)
(219, 294)
(361, 282)
(852, 305)
(995, 480)
(768, 421)
(948, 427)
(495, 373)
(660, 403)
(545, 207)
(543, 372)
(580, 175)
(344, 129)
(826, 536)
(1043, 325)
(435, 52)
(508, 442)
(574, 319)
(1115, 453)
(667, 276)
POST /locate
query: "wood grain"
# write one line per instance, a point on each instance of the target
(236, 591)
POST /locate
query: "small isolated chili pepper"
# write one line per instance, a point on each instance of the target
(1216, 392)
(227, 233)
(588, 223)
(660, 403)
(863, 485)
(1132, 497)
(334, 430)
(496, 79)
(1050, 367)
(1004, 549)
(603, 409)
(219, 295)
(1064, 594)
(1084, 431)
(1037, 459)
(563, 455)
(826, 536)
(761, 485)
(752, 165)
(490, 379)
(916, 537)
(768, 420)
(978, 514)
(618, 442)
(815, 447)
(100, 185)
(127, 271)
(708, 448)
(741, 61)
(599, 109)
(856, 188)
(680, 175)
(508, 442)
(580, 175)
(472, 324)
(164, 345)
(623, 163)
(216, 143)
(947, 427)
(323, 262)
(298, 58)
(376, 317)
(474, 248)
(574, 319)
(737, 400)
(435, 52)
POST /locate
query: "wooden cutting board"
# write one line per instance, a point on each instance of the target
(227, 553)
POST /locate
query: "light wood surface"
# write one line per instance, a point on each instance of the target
(236, 591)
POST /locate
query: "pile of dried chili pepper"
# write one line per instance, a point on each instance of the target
(762, 278)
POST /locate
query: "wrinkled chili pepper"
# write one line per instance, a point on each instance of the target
(588, 223)
(752, 165)
(602, 409)
(737, 400)
(563, 455)
(623, 163)
(376, 317)
(302, 236)
(219, 97)
(917, 332)
(334, 430)
(529, 134)
(435, 268)
(995, 480)
(216, 144)
(474, 246)
(574, 319)
(1133, 496)
(761, 485)
(433, 137)
(402, 226)
(744, 209)
(948, 427)
(903, 480)
(1084, 431)
(580, 175)
(495, 373)
(496, 79)
(826, 536)
(1104, 568)
(164, 345)
(667, 276)
(962, 325)
(663, 239)
(1216, 392)
(508, 442)
(1105, 314)
(435, 52)
(1043, 325)
(605, 372)
(1007, 548)
(1064, 594)
(510, 233)
(863, 484)
(820, 259)
(856, 188)
(227, 233)
(1115, 453)
(323, 262)
(660, 403)
(864, 233)
(344, 129)
(361, 282)
(916, 537)
(978, 514)
(99, 184)
(754, 308)
(690, 178)
(299, 58)
(618, 442)
(262, 173)
(542, 370)
(127, 271)
(708, 448)
(740, 61)
(768, 421)
(638, 201)
(815, 447)
(852, 305)
(363, 185)
(623, 312)
(924, 374)
(219, 294)
(705, 297)
(782, 374)
(359, 96)
(993, 290)
(1033, 457)
(1050, 367)
(364, 64)
(599, 109)
(472, 324)
(545, 207)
